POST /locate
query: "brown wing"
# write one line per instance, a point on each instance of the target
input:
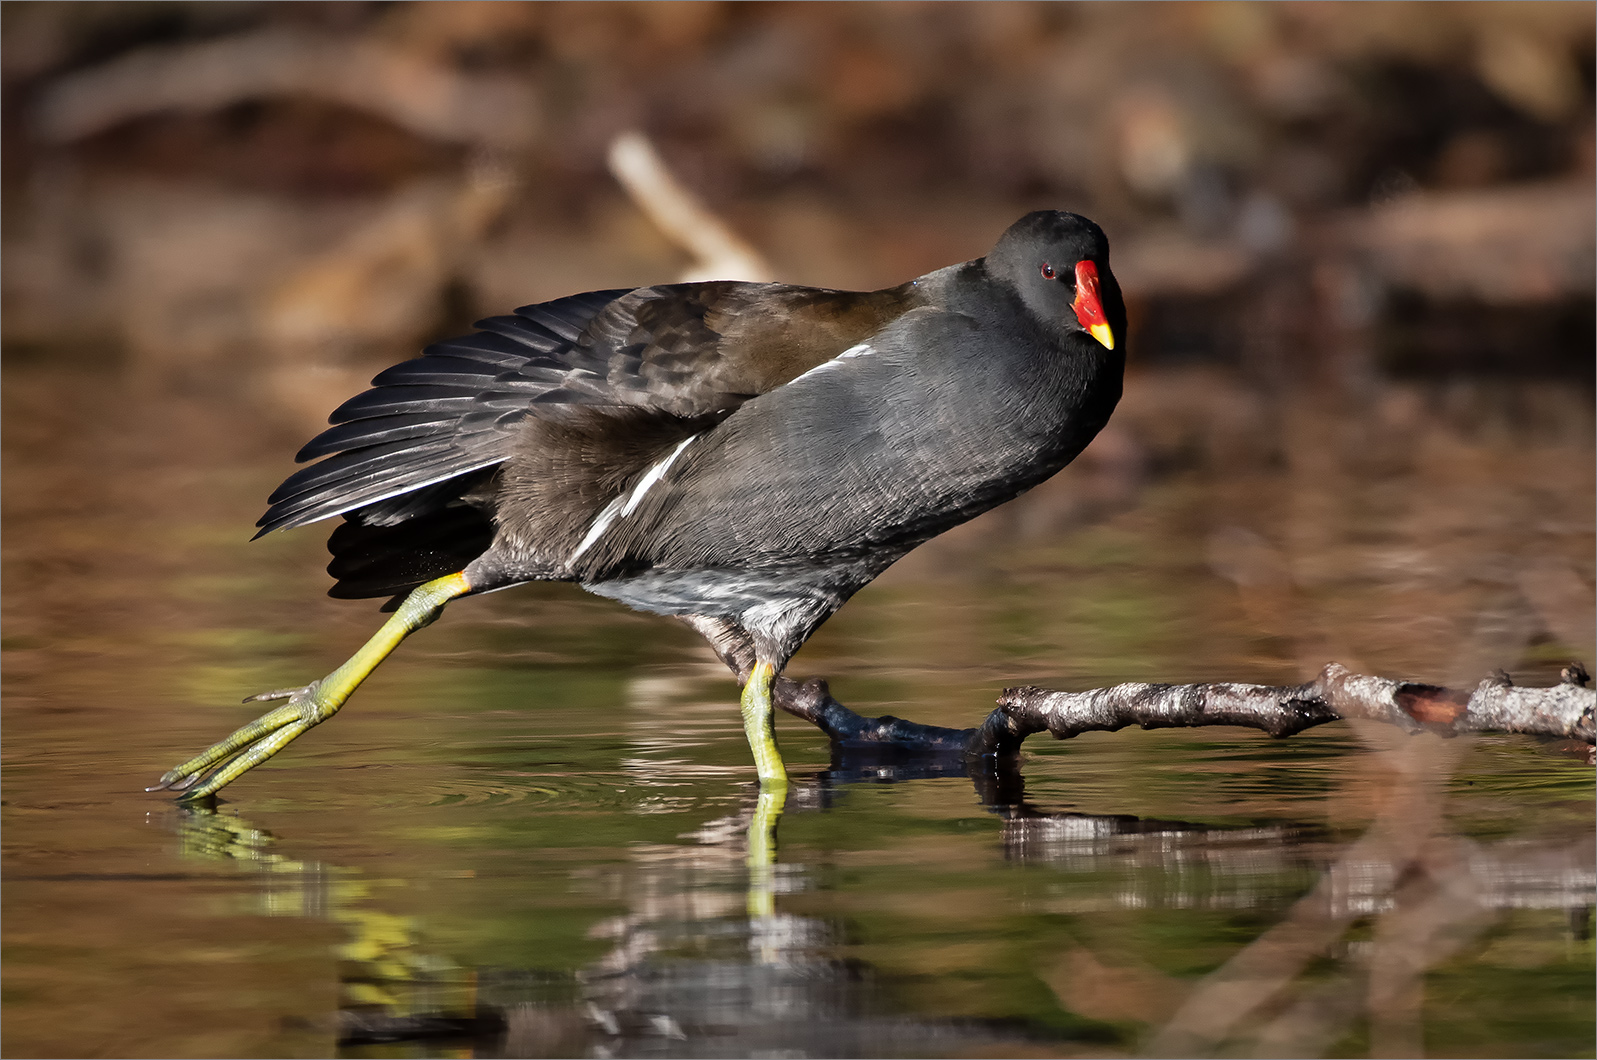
(684, 354)
(691, 350)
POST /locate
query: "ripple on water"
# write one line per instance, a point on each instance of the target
(593, 793)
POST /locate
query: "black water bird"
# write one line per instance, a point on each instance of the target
(742, 456)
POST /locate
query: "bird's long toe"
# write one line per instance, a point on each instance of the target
(232, 768)
(248, 746)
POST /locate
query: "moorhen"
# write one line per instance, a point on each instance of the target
(741, 456)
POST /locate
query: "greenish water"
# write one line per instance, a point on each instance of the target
(526, 836)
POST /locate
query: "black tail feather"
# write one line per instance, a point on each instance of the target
(390, 548)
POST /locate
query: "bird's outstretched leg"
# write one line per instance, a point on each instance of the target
(222, 763)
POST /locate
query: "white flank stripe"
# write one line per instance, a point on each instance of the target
(656, 473)
(623, 506)
(853, 351)
(600, 525)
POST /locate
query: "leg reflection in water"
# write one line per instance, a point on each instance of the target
(762, 851)
(392, 986)
(700, 959)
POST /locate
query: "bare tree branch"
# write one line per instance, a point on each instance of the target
(430, 99)
(719, 253)
(1496, 705)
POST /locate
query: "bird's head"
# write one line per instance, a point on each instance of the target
(1058, 263)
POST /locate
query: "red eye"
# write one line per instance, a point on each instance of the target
(1047, 271)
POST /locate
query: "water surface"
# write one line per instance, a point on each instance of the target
(527, 834)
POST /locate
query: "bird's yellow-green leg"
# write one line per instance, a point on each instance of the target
(757, 726)
(758, 715)
(309, 706)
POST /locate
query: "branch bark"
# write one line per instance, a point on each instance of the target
(1495, 705)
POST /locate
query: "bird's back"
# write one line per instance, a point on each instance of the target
(935, 419)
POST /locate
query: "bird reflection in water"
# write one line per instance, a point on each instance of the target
(689, 972)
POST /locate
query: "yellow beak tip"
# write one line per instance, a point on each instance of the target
(1102, 333)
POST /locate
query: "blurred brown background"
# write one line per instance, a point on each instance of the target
(209, 187)
(1357, 241)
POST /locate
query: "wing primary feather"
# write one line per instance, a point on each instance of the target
(567, 317)
(449, 413)
(353, 463)
(525, 334)
(484, 345)
(359, 433)
(439, 370)
(286, 516)
(386, 401)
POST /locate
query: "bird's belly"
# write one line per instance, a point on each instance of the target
(780, 605)
(728, 592)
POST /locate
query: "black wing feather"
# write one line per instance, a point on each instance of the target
(567, 317)
(391, 428)
(447, 413)
(360, 470)
(389, 401)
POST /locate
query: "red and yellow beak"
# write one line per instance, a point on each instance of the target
(1089, 307)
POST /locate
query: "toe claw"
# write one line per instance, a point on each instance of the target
(276, 693)
(172, 780)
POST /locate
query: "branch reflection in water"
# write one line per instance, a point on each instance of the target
(695, 968)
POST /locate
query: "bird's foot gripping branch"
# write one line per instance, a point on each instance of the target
(1495, 705)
